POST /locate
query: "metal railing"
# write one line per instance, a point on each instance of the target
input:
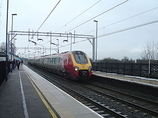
(134, 69)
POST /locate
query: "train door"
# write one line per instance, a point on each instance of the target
(67, 63)
(70, 67)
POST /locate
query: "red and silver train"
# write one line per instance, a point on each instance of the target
(75, 64)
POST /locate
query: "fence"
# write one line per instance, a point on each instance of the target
(3, 71)
(134, 69)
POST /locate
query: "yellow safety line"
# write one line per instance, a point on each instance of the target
(43, 99)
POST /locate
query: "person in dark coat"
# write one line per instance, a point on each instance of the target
(21, 62)
(13, 64)
(18, 64)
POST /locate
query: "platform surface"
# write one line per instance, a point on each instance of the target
(65, 105)
(133, 79)
(28, 95)
(18, 98)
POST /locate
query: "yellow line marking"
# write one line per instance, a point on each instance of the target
(42, 98)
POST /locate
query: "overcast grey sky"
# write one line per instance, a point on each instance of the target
(130, 43)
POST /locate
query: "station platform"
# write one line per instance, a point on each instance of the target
(133, 79)
(28, 95)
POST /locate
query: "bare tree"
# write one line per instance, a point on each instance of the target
(156, 51)
(2, 47)
(150, 51)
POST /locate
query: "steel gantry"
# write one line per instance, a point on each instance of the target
(32, 33)
(51, 34)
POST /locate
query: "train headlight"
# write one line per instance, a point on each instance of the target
(90, 68)
(76, 68)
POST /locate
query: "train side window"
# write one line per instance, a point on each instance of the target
(53, 60)
(44, 60)
(59, 60)
(47, 60)
(41, 60)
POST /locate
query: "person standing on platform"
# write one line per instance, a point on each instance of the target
(18, 64)
(13, 64)
(21, 62)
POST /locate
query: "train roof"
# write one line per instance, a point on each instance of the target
(72, 51)
(62, 53)
(56, 54)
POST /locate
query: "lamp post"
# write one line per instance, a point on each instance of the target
(93, 44)
(13, 46)
(96, 38)
(12, 35)
(6, 78)
(149, 62)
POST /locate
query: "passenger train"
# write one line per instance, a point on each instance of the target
(75, 64)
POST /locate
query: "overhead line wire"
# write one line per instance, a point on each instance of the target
(126, 18)
(48, 15)
(133, 27)
(78, 15)
(100, 14)
(118, 31)
(131, 17)
(83, 12)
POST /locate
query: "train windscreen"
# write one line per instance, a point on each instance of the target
(80, 57)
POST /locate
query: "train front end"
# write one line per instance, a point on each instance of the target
(82, 66)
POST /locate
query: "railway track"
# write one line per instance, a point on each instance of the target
(106, 102)
(129, 100)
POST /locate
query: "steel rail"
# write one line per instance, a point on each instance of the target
(127, 102)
